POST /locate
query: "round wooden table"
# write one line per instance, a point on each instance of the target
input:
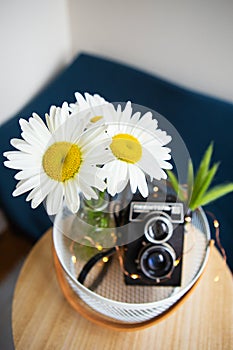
(43, 319)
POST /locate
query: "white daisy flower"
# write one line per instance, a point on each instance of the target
(59, 165)
(93, 103)
(137, 149)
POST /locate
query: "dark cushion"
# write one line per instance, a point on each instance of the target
(198, 118)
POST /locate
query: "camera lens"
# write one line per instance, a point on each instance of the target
(157, 261)
(158, 229)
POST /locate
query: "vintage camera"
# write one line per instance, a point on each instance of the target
(155, 257)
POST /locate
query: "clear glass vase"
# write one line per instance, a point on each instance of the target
(93, 227)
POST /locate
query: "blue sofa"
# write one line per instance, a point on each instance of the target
(198, 118)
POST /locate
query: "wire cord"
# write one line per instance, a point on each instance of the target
(88, 266)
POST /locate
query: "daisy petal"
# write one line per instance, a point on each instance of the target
(37, 195)
(26, 185)
(132, 178)
(72, 198)
(150, 166)
(118, 175)
(18, 165)
(137, 179)
(26, 173)
(54, 200)
(21, 145)
(93, 178)
(142, 184)
(86, 189)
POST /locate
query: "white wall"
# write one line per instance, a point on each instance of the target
(188, 42)
(35, 45)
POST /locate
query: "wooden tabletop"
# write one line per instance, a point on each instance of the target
(42, 318)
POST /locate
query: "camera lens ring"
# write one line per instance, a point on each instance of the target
(156, 273)
(148, 229)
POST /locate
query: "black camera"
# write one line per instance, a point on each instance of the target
(155, 256)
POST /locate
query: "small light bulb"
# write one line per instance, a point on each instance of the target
(105, 259)
(176, 262)
(134, 276)
(99, 247)
(188, 219)
(73, 258)
(216, 223)
(155, 189)
(216, 278)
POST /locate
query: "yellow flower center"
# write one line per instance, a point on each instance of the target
(96, 118)
(62, 161)
(126, 147)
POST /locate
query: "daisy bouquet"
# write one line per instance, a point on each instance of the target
(84, 148)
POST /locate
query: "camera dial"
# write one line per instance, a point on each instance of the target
(158, 229)
(157, 262)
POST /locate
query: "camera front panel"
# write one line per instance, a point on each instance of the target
(156, 257)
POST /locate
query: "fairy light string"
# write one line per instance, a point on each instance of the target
(216, 225)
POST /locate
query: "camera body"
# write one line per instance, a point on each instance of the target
(155, 258)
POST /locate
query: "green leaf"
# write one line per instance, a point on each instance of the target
(190, 179)
(216, 192)
(173, 180)
(202, 171)
(195, 201)
(175, 184)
